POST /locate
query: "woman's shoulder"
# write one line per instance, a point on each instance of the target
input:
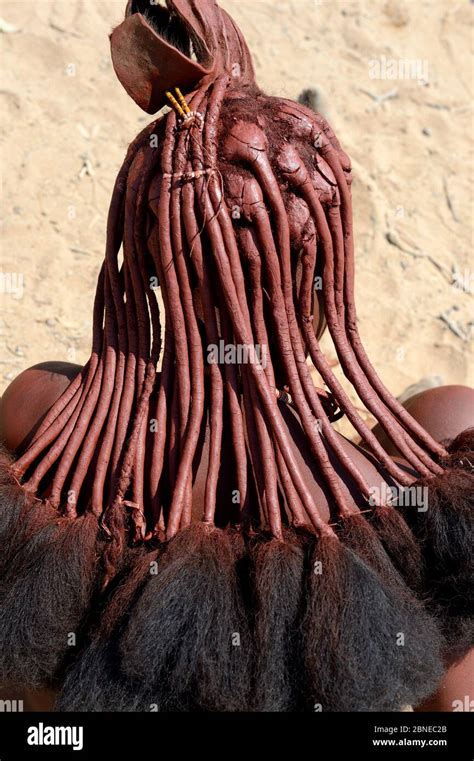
(28, 398)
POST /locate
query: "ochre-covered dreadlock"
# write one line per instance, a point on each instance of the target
(232, 207)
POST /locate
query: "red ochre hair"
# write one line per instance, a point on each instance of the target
(232, 202)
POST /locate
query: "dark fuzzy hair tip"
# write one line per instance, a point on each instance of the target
(45, 591)
(365, 650)
(277, 575)
(400, 545)
(188, 636)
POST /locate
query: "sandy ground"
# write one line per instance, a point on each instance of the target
(66, 123)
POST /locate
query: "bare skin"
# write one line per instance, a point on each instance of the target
(456, 690)
(444, 412)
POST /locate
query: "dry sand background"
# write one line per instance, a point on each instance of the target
(66, 123)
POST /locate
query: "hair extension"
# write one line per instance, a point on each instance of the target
(444, 529)
(400, 545)
(188, 635)
(258, 602)
(45, 600)
(345, 674)
(47, 577)
(94, 681)
(49, 568)
(335, 612)
(277, 574)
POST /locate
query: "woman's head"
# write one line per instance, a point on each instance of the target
(239, 206)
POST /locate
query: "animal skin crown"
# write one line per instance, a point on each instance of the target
(176, 43)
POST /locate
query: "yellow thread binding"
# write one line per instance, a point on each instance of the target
(175, 104)
(181, 99)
